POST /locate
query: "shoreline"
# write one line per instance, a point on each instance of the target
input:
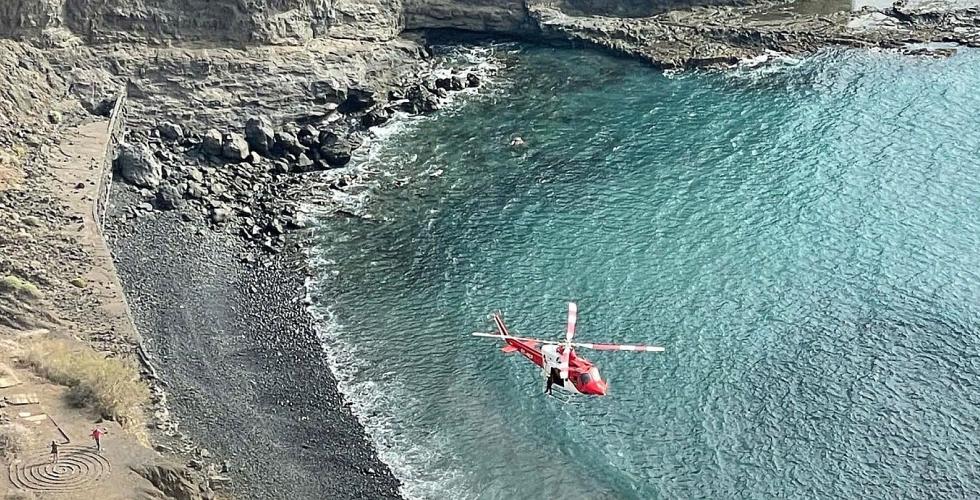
(248, 304)
(226, 310)
(240, 354)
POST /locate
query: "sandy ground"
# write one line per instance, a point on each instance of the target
(71, 180)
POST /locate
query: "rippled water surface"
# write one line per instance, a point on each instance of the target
(805, 242)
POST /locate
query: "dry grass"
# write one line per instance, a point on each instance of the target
(10, 165)
(15, 439)
(20, 495)
(19, 288)
(108, 385)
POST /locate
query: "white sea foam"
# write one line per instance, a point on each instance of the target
(377, 403)
(751, 67)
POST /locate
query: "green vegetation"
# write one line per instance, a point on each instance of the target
(110, 386)
(19, 287)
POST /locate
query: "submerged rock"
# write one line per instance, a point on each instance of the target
(138, 166)
(419, 99)
(444, 83)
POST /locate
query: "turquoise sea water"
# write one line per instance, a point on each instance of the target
(805, 242)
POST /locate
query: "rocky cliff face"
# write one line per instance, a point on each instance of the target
(254, 21)
(486, 16)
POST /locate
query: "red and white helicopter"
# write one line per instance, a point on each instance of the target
(558, 360)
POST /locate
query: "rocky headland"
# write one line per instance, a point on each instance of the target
(234, 114)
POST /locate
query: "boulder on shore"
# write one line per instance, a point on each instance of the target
(375, 117)
(234, 147)
(307, 136)
(304, 164)
(168, 198)
(138, 166)
(336, 153)
(259, 135)
(286, 142)
(457, 83)
(170, 131)
(420, 100)
(211, 143)
(444, 83)
(357, 100)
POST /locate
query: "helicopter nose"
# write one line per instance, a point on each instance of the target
(601, 387)
(597, 388)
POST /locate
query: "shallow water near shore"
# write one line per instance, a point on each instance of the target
(805, 242)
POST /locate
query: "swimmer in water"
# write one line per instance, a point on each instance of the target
(516, 142)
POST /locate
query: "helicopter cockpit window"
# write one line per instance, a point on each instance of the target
(585, 378)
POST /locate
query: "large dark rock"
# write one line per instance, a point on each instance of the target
(138, 166)
(337, 154)
(457, 83)
(170, 131)
(287, 143)
(444, 83)
(420, 100)
(304, 164)
(375, 117)
(211, 143)
(259, 135)
(234, 147)
(168, 198)
(100, 107)
(308, 136)
(357, 100)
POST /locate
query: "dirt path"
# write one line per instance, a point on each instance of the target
(84, 293)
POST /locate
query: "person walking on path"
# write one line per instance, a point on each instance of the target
(54, 452)
(97, 436)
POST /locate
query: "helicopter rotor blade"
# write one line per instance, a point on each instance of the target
(572, 318)
(586, 345)
(620, 347)
(569, 333)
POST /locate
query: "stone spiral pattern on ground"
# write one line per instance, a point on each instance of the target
(78, 467)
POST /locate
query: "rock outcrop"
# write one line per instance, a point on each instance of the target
(484, 16)
(257, 22)
(174, 482)
(137, 165)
